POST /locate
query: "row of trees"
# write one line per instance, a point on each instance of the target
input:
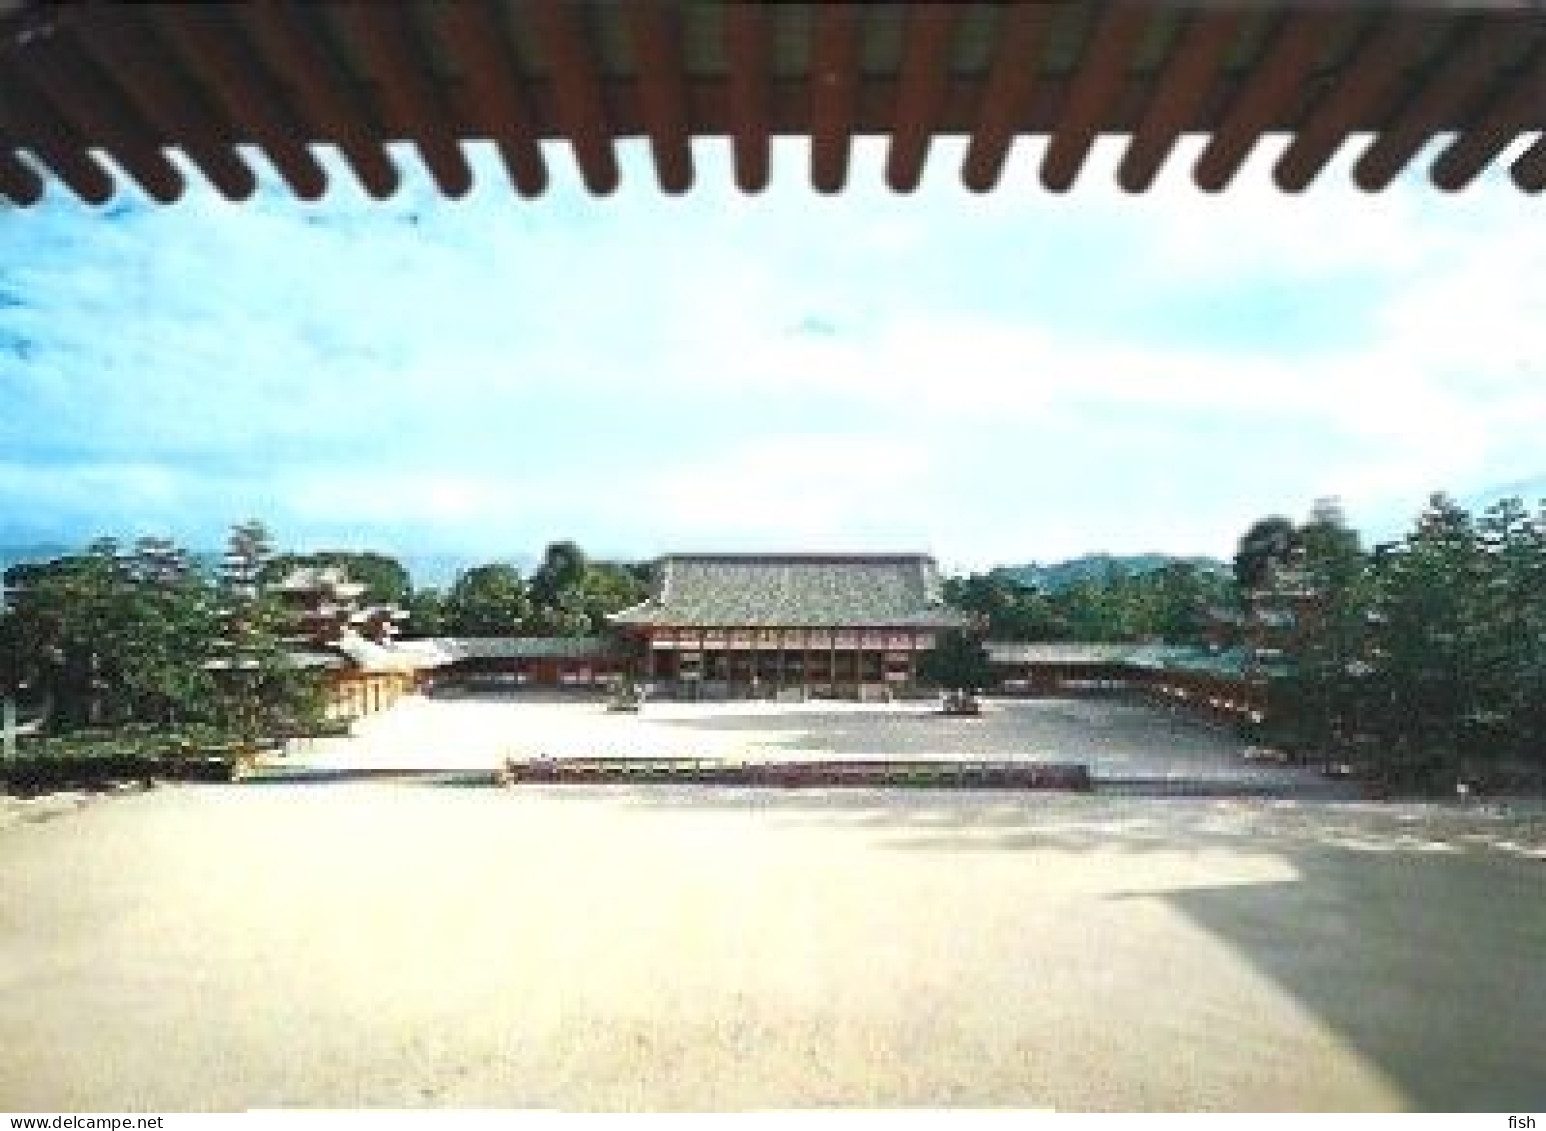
(143, 634)
(152, 633)
(1424, 658)
(1170, 604)
(567, 595)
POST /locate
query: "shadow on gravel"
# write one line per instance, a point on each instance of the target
(1415, 933)
(1429, 967)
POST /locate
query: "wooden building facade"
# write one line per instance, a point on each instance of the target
(788, 625)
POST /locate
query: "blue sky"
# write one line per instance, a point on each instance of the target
(993, 378)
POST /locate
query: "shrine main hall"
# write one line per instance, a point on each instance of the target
(845, 626)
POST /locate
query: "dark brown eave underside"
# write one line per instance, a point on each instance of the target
(130, 81)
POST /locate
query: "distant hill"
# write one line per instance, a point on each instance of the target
(34, 552)
(1056, 576)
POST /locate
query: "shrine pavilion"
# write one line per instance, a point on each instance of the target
(788, 625)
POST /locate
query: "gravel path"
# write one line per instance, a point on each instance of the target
(1117, 738)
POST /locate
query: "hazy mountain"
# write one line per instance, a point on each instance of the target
(1531, 490)
(1054, 576)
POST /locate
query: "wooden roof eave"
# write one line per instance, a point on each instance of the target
(131, 81)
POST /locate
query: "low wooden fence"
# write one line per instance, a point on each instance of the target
(934, 774)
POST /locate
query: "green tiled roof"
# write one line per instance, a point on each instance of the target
(795, 591)
(1235, 662)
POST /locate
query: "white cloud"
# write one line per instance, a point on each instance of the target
(820, 491)
(998, 377)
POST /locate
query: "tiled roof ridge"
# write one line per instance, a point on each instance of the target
(822, 557)
(794, 589)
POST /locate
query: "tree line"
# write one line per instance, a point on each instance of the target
(1422, 659)
(1170, 604)
(148, 632)
(568, 594)
(143, 633)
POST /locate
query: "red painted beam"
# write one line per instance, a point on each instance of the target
(1529, 168)
(390, 45)
(292, 48)
(85, 99)
(115, 38)
(1276, 79)
(662, 90)
(1369, 79)
(1511, 111)
(1005, 93)
(746, 47)
(19, 182)
(477, 42)
(1097, 80)
(211, 48)
(920, 90)
(24, 114)
(1457, 81)
(577, 90)
(834, 79)
(1187, 78)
